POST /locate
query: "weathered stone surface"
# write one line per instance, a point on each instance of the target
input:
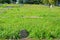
(24, 33)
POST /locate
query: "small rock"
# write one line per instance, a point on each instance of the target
(24, 33)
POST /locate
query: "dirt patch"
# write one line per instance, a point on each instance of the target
(28, 39)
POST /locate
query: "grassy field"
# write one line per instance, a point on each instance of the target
(40, 21)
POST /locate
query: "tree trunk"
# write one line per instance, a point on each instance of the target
(17, 2)
(11, 1)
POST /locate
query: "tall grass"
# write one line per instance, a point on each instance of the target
(12, 21)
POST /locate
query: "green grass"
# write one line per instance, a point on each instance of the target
(11, 21)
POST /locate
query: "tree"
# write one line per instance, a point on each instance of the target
(17, 2)
(34, 1)
(51, 1)
(1, 1)
(48, 1)
(4, 1)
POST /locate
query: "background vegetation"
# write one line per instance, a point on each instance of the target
(13, 18)
(34, 1)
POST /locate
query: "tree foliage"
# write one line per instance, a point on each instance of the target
(43, 1)
(4, 1)
(48, 1)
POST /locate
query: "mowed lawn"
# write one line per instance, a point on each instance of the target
(40, 21)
